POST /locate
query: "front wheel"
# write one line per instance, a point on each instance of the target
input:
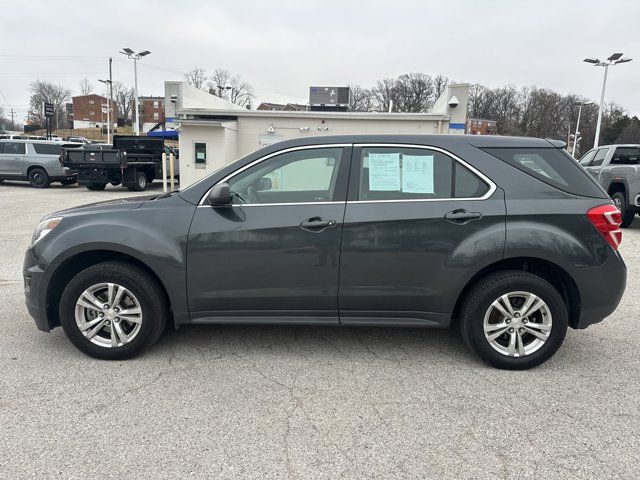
(140, 182)
(513, 320)
(620, 202)
(96, 186)
(113, 310)
(38, 178)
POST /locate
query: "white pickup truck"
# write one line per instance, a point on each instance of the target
(617, 169)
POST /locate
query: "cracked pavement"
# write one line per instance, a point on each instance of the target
(307, 402)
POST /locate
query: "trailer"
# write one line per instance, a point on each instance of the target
(131, 161)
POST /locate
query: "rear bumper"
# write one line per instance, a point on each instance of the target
(601, 289)
(35, 291)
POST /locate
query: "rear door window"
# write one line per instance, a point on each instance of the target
(14, 148)
(551, 165)
(47, 149)
(600, 156)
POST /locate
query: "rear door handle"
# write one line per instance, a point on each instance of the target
(317, 224)
(461, 216)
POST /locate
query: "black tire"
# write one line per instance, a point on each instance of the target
(620, 201)
(96, 186)
(145, 288)
(68, 181)
(38, 178)
(480, 297)
(141, 182)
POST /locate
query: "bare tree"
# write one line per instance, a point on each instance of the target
(384, 93)
(413, 92)
(125, 99)
(439, 84)
(362, 99)
(85, 87)
(42, 92)
(230, 87)
(196, 77)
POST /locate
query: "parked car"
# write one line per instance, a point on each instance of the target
(616, 169)
(131, 161)
(34, 160)
(506, 238)
(81, 140)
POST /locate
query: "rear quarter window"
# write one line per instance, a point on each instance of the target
(47, 149)
(552, 166)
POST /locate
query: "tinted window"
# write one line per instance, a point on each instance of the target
(600, 156)
(467, 183)
(389, 173)
(47, 149)
(295, 177)
(587, 158)
(11, 148)
(626, 156)
(550, 165)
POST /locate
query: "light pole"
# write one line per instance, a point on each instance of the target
(135, 57)
(575, 137)
(109, 84)
(614, 59)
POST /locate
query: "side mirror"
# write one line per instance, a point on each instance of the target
(220, 195)
(264, 184)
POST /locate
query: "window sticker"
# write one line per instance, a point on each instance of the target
(384, 171)
(417, 173)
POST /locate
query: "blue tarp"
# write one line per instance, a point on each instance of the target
(173, 134)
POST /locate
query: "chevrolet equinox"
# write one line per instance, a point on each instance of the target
(507, 239)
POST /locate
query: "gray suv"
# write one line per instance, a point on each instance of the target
(507, 239)
(33, 160)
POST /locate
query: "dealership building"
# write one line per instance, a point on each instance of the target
(214, 132)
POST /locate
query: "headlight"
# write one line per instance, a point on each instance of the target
(43, 229)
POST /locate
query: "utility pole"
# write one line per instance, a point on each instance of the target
(13, 127)
(135, 57)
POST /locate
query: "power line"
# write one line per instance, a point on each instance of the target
(75, 57)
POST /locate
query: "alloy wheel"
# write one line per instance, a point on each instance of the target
(517, 324)
(108, 315)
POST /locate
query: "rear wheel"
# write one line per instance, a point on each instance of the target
(513, 320)
(38, 178)
(113, 310)
(96, 186)
(620, 202)
(68, 181)
(140, 182)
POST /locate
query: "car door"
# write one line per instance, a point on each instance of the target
(595, 166)
(417, 223)
(12, 159)
(273, 255)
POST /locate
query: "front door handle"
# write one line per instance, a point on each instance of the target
(317, 224)
(461, 216)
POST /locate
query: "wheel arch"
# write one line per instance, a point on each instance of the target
(551, 272)
(77, 262)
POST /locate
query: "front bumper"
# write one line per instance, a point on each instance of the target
(601, 289)
(35, 291)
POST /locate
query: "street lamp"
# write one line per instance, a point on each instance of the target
(613, 59)
(575, 137)
(135, 57)
(109, 83)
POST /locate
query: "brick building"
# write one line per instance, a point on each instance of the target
(151, 112)
(90, 111)
(480, 126)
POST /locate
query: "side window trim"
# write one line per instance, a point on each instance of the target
(354, 186)
(346, 155)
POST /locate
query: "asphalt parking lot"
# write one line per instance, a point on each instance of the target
(303, 402)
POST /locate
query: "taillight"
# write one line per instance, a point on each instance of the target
(607, 220)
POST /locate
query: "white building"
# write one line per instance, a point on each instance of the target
(215, 132)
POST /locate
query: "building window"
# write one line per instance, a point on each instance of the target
(91, 113)
(155, 115)
(155, 104)
(91, 102)
(200, 149)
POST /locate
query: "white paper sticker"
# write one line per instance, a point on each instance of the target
(384, 172)
(417, 173)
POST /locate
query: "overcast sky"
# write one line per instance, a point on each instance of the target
(283, 47)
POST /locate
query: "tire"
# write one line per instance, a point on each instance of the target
(68, 181)
(476, 308)
(146, 293)
(620, 201)
(96, 186)
(141, 182)
(38, 178)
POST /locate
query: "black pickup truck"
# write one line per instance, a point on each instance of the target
(131, 161)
